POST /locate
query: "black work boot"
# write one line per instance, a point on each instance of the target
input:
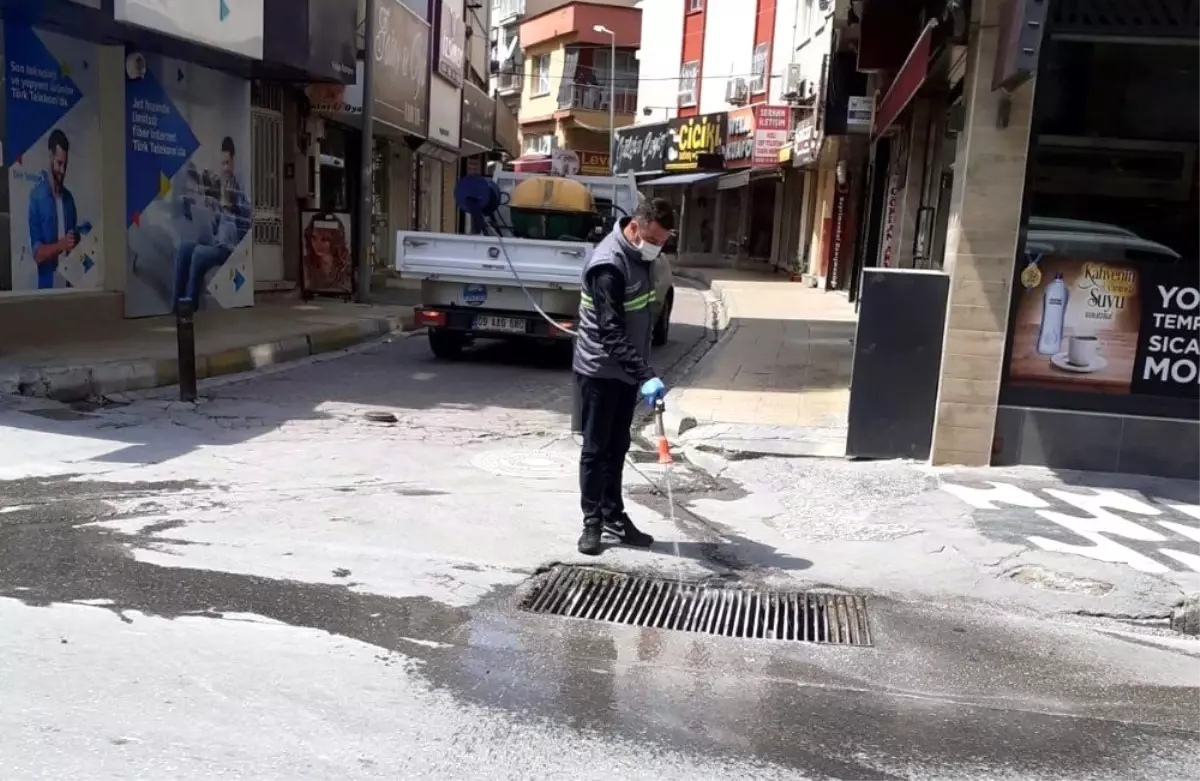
(589, 541)
(628, 534)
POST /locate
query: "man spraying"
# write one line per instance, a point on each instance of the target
(612, 345)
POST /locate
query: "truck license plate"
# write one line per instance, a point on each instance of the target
(509, 325)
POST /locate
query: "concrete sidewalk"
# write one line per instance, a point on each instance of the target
(138, 354)
(779, 380)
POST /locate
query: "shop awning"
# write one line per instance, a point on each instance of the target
(682, 179)
(909, 78)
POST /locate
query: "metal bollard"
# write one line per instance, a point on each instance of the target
(185, 340)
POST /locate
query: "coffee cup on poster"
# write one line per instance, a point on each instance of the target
(1083, 350)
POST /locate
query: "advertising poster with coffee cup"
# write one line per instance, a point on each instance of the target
(1106, 327)
(1077, 328)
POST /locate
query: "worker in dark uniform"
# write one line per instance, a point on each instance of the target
(612, 346)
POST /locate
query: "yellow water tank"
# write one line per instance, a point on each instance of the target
(552, 194)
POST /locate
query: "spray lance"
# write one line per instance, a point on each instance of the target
(664, 449)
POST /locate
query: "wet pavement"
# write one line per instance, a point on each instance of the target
(271, 586)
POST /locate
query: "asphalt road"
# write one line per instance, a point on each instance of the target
(270, 586)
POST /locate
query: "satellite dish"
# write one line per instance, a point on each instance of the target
(564, 162)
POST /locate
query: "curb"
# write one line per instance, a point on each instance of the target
(1185, 617)
(76, 383)
(722, 315)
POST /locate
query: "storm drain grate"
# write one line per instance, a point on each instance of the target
(723, 610)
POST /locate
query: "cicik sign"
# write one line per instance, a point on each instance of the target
(695, 137)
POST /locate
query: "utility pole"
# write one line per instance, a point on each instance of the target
(366, 178)
(612, 96)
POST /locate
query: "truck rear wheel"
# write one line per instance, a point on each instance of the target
(446, 345)
(662, 328)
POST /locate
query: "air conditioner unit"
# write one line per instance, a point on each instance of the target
(794, 84)
(737, 92)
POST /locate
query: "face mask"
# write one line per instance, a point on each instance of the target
(649, 251)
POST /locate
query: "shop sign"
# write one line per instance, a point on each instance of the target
(642, 148)
(860, 112)
(739, 148)
(697, 142)
(401, 74)
(1122, 327)
(445, 114)
(838, 241)
(892, 204)
(593, 163)
(315, 36)
(805, 144)
(451, 42)
(337, 101)
(889, 220)
(770, 134)
(478, 118)
(235, 26)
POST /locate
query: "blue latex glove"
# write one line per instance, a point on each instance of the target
(653, 390)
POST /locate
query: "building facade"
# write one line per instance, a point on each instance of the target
(154, 155)
(150, 154)
(581, 83)
(732, 74)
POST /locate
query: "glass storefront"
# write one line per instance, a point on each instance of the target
(1106, 312)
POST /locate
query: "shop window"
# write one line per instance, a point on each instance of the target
(689, 76)
(1106, 313)
(758, 69)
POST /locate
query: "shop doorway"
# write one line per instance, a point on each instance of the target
(871, 227)
(266, 149)
(760, 239)
(338, 188)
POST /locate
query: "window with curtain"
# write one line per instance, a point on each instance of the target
(689, 75)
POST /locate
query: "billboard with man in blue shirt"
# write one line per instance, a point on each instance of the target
(52, 123)
(53, 221)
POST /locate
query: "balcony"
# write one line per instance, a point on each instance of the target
(595, 98)
(507, 11)
(509, 80)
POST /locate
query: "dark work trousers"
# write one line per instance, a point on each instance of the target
(607, 414)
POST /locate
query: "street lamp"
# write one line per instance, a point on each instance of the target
(612, 95)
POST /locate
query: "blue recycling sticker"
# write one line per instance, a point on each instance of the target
(474, 295)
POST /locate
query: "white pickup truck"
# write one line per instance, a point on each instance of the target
(468, 290)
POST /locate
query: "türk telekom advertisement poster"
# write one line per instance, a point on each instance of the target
(187, 187)
(52, 152)
(327, 265)
(1107, 327)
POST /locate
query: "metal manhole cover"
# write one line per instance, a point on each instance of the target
(722, 610)
(529, 464)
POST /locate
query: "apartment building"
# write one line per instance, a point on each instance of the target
(577, 82)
